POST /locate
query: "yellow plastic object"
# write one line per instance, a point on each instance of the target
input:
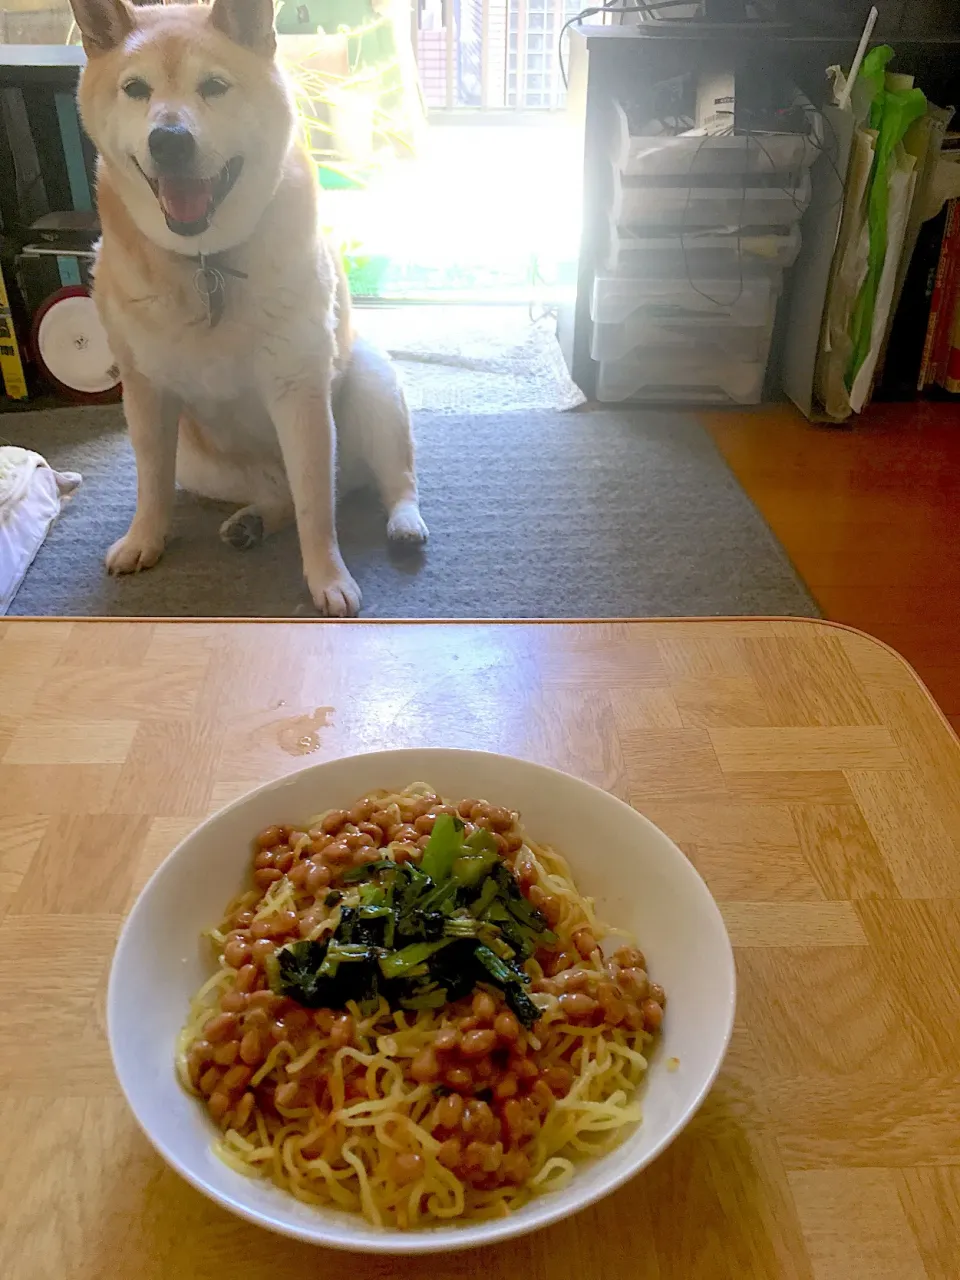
(11, 365)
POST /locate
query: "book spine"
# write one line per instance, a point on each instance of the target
(11, 363)
(950, 381)
(944, 330)
(907, 335)
(926, 364)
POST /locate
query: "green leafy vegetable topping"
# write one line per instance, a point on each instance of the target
(443, 848)
(421, 936)
(398, 964)
(366, 870)
(470, 868)
(296, 969)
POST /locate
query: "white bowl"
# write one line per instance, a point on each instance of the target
(639, 878)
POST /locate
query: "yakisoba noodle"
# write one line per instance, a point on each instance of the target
(416, 1116)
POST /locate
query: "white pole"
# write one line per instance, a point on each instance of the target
(861, 51)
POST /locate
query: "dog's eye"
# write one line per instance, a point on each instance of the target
(137, 89)
(212, 87)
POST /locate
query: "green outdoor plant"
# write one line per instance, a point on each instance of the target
(376, 105)
(373, 90)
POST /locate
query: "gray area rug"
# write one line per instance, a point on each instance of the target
(598, 513)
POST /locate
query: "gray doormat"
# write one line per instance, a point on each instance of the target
(598, 513)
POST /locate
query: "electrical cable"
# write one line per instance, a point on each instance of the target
(827, 148)
(717, 302)
(611, 8)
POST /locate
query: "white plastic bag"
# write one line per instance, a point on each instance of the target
(31, 495)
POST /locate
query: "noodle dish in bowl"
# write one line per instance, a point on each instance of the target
(419, 1000)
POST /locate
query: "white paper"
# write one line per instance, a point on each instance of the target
(849, 271)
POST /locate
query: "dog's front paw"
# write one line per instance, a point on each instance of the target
(243, 530)
(335, 593)
(406, 524)
(137, 549)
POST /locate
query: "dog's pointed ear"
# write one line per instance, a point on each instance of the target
(103, 24)
(247, 22)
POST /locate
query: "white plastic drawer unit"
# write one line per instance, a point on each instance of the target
(722, 200)
(758, 152)
(649, 300)
(737, 342)
(656, 376)
(701, 254)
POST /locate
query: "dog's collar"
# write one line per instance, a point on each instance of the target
(210, 284)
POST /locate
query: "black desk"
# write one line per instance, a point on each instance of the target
(607, 63)
(58, 64)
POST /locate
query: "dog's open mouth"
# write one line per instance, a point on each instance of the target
(188, 204)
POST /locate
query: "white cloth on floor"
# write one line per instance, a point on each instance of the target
(31, 494)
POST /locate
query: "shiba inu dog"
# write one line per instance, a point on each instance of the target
(228, 313)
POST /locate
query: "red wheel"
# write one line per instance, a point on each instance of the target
(71, 349)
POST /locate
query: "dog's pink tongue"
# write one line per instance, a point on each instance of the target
(185, 199)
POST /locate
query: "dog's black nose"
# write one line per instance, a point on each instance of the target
(172, 147)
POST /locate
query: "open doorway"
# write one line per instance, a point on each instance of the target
(449, 166)
(451, 172)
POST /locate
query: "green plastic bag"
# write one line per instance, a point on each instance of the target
(892, 112)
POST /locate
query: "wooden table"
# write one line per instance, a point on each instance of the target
(800, 766)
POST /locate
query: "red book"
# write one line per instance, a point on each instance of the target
(951, 376)
(944, 330)
(948, 251)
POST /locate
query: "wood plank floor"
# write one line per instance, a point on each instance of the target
(870, 516)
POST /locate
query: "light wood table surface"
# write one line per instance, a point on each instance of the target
(801, 767)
